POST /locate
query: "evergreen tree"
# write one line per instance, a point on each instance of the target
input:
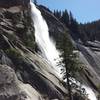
(69, 60)
(65, 18)
(57, 14)
(73, 24)
(74, 27)
(35, 2)
(90, 31)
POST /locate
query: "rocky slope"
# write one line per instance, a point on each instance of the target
(24, 74)
(89, 52)
(90, 56)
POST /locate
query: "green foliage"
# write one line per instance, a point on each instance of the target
(74, 26)
(69, 60)
(99, 87)
(29, 41)
(57, 14)
(85, 32)
(26, 34)
(69, 55)
(65, 18)
(90, 31)
(14, 54)
(69, 21)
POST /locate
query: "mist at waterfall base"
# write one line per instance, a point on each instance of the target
(47, 46)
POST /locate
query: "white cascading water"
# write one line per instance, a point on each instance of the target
(43, 40)
(91, 94)
(46, 45)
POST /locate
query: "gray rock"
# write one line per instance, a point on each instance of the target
(10, 3)
(9, 89)
(17, 45)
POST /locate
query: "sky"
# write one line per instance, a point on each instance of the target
(83, 10)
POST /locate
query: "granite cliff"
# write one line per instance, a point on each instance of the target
(25, 75)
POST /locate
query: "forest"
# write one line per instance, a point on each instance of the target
(89, 31)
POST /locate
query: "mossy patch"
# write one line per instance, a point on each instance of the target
(14, 54)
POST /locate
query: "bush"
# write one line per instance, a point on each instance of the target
(14, 55)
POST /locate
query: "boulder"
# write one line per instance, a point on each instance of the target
(9, 89)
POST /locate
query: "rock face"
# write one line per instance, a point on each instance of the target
(9, 89)
(24, 75)
(90, 56)
(10, 3)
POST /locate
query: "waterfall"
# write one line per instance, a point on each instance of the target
(90, 92)
(46, 45)
(43, 40)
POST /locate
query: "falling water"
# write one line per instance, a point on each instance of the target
(46, 45)
(91, 94)
(43, 40)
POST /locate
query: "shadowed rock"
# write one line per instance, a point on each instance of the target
(11, 3)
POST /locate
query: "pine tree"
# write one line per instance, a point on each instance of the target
(35, 2)
(74, 27)
(73, 24)
(57, 14)
(65, 18)
(68, 61)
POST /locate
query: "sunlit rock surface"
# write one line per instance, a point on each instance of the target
(90, 56)
(12, 89)
(9, 89)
